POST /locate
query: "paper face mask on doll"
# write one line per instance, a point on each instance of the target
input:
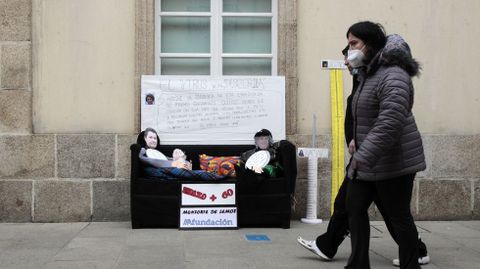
(262, 142)
(151, 140)
(263, 139)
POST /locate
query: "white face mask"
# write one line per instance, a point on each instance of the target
(355, 57)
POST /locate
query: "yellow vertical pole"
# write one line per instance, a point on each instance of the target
(338, 132)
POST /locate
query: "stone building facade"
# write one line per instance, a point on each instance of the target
(74, 176)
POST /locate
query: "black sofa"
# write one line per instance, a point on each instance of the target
(261, 202)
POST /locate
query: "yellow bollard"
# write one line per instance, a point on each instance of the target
(338, 132)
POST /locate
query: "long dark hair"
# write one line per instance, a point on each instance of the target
(147, 130)
(372, 34)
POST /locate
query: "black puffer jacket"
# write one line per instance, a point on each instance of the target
(386, 135)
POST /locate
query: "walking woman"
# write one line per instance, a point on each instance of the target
(387, 146)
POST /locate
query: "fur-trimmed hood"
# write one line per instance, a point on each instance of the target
(395, 53)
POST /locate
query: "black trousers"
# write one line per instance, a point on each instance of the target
(394, 195)
(337, 228)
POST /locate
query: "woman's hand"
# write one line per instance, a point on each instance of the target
(188, 165)
(351, 147)
(257, 169)
(182, 164)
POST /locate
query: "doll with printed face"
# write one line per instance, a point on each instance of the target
(179, 159)
(264, 141)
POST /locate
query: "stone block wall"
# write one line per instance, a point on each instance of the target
(65, 178)
(15, 67)
(85, 177)
(449, 189)
(51, 177)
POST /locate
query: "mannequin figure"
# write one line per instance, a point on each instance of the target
(264, 141)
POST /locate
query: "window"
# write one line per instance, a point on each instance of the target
(215, 37)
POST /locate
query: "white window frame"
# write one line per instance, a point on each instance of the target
(216, 55)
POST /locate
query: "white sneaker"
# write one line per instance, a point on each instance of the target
(312, 246)
(422, 261)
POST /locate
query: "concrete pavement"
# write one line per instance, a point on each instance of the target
(453, 244)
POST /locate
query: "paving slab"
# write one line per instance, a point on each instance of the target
(114, 245)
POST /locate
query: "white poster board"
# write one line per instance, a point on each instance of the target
(213, 110)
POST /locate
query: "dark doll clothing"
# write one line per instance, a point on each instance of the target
(273, 168)
(173, 173)
(153, 162)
